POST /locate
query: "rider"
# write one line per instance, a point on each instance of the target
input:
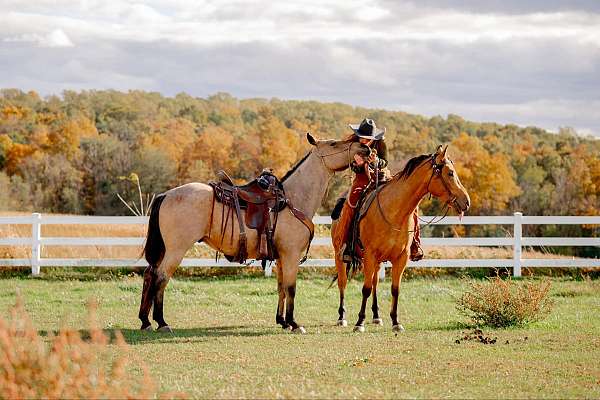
(367, 171)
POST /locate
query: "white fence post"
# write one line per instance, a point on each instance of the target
(36, 247)
(269, 269)
(517, 234)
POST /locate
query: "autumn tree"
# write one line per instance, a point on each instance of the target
(487, 177)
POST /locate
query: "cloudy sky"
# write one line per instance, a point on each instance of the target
(510, 61)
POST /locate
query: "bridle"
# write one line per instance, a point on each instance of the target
(322, 157)
(331, 172)
(436, 170)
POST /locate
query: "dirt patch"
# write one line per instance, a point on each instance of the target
(476, 335)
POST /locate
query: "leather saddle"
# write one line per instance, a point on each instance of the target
(262, 199)
(257, 197)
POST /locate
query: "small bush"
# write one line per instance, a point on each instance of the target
(66, 367)
(501, 303)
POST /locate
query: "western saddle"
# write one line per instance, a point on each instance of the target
(262, 199)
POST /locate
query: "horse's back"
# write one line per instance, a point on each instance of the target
(190, 189)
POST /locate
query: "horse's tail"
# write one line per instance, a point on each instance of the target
(154, 249)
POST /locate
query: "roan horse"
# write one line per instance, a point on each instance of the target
(185, 215)
(387, 227)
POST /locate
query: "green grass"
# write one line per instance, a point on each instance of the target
(226, 343)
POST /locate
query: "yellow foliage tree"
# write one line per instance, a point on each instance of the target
(172, 136)
(210, 152)
(15, 156)
(66, 137)
(487, 177)
(279, 144)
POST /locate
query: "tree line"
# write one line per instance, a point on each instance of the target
(70, 153)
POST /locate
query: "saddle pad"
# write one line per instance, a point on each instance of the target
(368, 200)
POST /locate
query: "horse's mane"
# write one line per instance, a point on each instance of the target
(295, 167)
(412, 164)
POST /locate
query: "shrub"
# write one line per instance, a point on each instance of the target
(502, 303)
(66, 367)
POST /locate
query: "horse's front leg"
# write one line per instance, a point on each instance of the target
(369, 264)
(289, 266)
(398, 267)
(279, 317)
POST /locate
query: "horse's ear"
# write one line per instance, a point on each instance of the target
(440, 153)
(311, 139)
(444, 152)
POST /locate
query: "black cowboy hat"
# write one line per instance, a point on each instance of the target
(368, 130)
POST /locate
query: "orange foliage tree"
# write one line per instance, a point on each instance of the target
(488, 177)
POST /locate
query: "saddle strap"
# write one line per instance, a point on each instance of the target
(307, 222)
(242, 248)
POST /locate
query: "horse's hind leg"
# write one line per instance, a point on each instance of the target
(375, 306)
(342, 280)
(148, 293)
(398, 267)
(338, 237)
(279, 318)
(167, 267)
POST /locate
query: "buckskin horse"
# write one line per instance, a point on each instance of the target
(188, 214)
(388, 224)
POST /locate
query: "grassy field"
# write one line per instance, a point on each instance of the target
(226, 344)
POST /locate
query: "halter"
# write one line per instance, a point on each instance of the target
(329, 171)
(322, 157)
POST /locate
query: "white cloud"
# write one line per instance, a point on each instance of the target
(55, 38)
(234, 21)
(532, 64)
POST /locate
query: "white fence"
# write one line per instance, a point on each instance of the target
(517, 241)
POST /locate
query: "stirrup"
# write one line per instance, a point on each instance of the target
(416, 252)
(347, 255)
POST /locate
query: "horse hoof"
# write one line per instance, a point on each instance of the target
(147, 328)
(359, 328)
(342, 322)
(299, 330)
(286, 327)
(398, 328)
(164, 329)
(377, 321)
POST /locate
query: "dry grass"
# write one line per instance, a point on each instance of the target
(501, 303)
(67, 367)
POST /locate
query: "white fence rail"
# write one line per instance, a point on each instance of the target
(37, 242)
